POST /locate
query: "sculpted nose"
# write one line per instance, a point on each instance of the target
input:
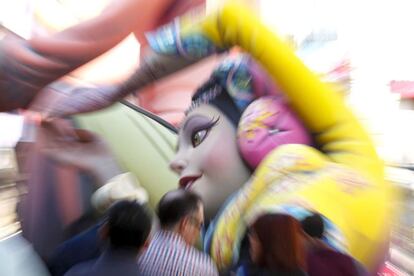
(178, 165)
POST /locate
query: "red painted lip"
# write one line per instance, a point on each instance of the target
(187, 181)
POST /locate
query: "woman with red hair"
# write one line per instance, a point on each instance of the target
(276, 246)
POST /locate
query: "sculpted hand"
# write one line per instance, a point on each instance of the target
(78, 148)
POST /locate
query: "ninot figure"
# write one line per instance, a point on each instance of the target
(250, 148)
(266, 138)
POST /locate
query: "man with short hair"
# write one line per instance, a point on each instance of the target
(313, 225)
(126, 229)
(171, 250)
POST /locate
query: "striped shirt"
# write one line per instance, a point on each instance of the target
(169, 254)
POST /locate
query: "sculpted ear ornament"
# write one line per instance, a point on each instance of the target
(273, 131)
(267, 123)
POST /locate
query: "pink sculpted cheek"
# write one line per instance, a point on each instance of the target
(217, 158)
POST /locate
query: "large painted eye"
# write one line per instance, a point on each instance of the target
(198, 137)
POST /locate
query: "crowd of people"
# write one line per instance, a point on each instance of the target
(276, 175)
(128, 243)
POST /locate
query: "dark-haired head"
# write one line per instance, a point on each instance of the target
(313, 226)
(181, 211)
(128, 224)
(176, 205)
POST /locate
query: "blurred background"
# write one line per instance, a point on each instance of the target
(363, 48)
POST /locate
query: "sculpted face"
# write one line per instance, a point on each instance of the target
(207, 158)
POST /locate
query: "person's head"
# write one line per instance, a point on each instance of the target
(128, 225)
(313, 226)
(182, 211)
(235, 119)
(276, 242)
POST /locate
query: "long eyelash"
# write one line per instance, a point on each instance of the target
(208, 125)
